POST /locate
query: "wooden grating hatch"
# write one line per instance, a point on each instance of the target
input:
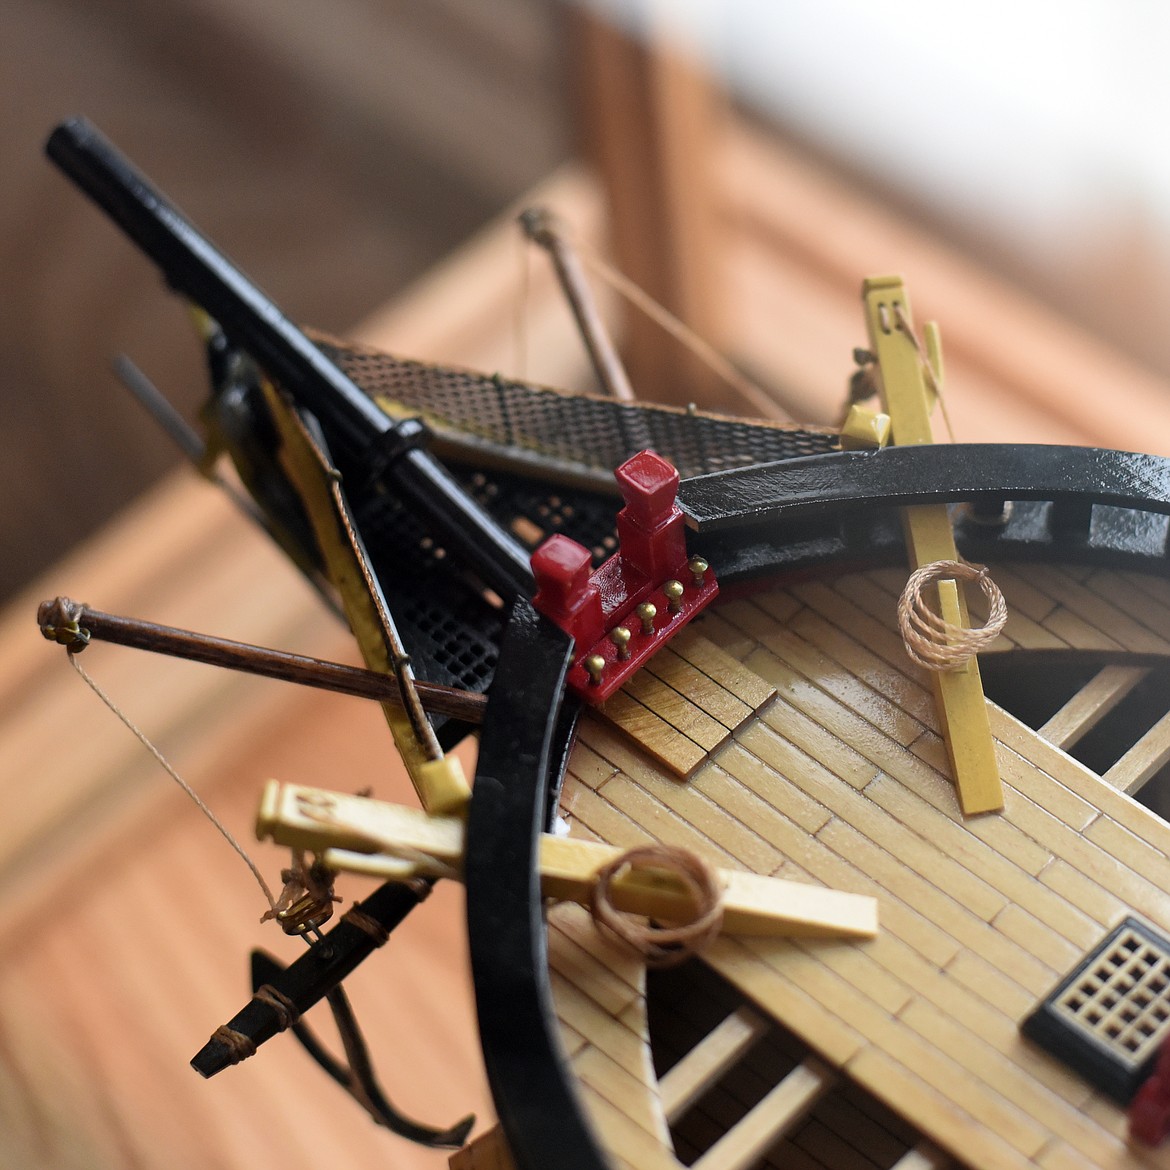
(1108, 1018)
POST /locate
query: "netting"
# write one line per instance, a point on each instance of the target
(587, 431)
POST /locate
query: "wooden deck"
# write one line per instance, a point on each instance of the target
(840, 780)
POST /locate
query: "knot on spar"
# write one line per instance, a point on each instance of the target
(933, 642)
(60, 622)
(285, 1009)
(239, 1047)
(661, 945)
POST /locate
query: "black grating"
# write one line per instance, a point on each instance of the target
(1108, 1018)
(532, 510)
(451, 631)
(573, 429)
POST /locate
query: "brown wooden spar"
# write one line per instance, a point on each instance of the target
(74, 625)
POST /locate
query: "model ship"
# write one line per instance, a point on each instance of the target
(852, 913)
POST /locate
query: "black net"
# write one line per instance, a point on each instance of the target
(590, 432)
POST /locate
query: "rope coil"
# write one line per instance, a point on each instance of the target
(931, 641)
(661, 946)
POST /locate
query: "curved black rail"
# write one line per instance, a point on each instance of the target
(1022, 501)
(522, 736)
(797, 489)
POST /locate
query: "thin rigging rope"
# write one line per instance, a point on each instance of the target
(200, 803)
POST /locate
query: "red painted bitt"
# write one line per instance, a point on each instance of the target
(1149, 1113)
(566, 591)
(650, 526)
(652, 553)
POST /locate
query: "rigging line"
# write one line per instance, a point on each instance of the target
(191, 443)
(934, 380)
(141, 736)
(703, 350)
(522, 309)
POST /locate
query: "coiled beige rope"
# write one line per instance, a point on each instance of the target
(661, 946)
(935, 643)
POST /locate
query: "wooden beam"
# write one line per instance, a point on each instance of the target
(360, 835)
(923, 1156)
(725, 1045)
(649, 115)
(909, 400)
(1143, 760)
(769, 1120)
(1091, 704)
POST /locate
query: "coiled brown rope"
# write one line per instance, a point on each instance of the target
(661, 946)
(935, 643)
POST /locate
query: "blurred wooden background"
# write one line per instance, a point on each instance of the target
(337, 151)
(334, 151)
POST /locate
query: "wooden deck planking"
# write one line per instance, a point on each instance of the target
(867, 980)
(602, 1030)
(686, 703)
(1156, 588)
(936, 1111)
(866, 659)
(729, 638)
(1096, 610)
(677, 709)
(890, 993)
(1078, 633)
(1142, 605)
(1040, 927)
(631, 1095)
(720, 666)
(1054, 792)
(740, 769)
(715, 699)
(1085, 807)
(863, 809)
(661, 739)
(886, 715)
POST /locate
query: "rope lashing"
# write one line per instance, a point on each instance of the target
(239, 1047)
(933, 642)
(286, 1011)
(60, 622)
(661, 945)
